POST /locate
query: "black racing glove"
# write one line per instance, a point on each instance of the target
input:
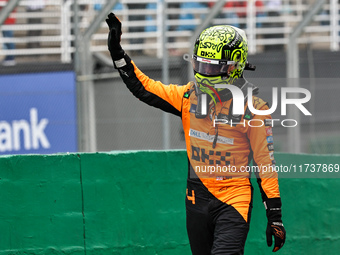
(113, 42)
(275, 227)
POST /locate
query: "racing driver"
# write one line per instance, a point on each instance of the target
(219, 191)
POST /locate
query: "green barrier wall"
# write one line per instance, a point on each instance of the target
(133, 203)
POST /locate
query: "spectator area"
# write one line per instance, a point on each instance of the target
(267, 23)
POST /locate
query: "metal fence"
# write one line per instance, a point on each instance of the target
(267, 25)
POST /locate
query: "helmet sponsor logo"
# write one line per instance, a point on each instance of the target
(208, 54)
(236, 40)
(206, 60)
(210, 61)
(227, 54)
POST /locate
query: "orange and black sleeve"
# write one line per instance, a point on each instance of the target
(154, 93)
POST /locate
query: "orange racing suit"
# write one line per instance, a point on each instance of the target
(225, 149)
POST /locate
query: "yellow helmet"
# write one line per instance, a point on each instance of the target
(220, 56)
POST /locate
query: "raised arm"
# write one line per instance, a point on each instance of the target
(165, 97)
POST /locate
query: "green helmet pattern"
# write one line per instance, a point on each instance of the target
(223, 48)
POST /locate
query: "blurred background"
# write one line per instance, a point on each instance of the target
(60, 93)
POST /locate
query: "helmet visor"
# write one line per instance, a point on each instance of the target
(212, 67)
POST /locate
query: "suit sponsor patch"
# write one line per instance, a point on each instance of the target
(269, 131)
(268, 122)
(270, 147)
(270, 139)
(210, 138)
